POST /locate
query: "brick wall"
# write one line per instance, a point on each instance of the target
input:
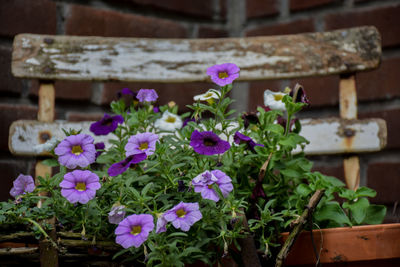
(378, 90)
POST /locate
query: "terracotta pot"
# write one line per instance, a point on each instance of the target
(370, 245)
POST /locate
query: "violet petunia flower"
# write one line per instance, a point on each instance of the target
(79, 186)
(122, 166)
(203, 184)
(223, 74)
(147, 95)
(250, 118)
(117, 214)
(299, 94)
(141, 143)
(240, 138)
(208, 143)
(183, 215)
(76, 150)
(23, 184)
(161, 224)
(126, 91)
(106, 125)
(99, 146)
(134, 230)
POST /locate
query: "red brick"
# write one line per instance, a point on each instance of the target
(382, 83)
(210, 32)
(202, 8)
(181, 93)
(296, 5)
(257, 8)
(223, 8)
(256, 92)
(393, 124)
(10, 169)
(293, 27)
(386, 19)
(83, 116)
(10, 113)
(321, 91)
(384, 178)
(8, 82)
(334, 168)
(71, 90)
(89, 21)
(21, 16)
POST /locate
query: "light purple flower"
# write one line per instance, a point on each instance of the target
(76, 150)
(161, 224)
(106, 125)
(147, 95)
(23, 184)
(223, 74)
(80, 186)
(208, 143)
(183, 215)
(122, 166)
(203, 184)
(141, 143)
(117, 214)
(240, 138)
(134, 230)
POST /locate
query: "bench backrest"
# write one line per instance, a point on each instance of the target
(344, 52)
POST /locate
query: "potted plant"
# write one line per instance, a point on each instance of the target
(169, 189)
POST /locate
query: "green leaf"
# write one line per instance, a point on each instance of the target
(291, 173)
(365, 192)
(146, 189)
(303, 190)
(275, 128)
(50, 162)
(375, 214)
(358, 209)
(332, 211)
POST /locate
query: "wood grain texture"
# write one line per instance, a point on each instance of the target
(329, 136)
(184, 60)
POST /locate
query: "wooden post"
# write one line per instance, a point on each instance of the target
(48, 253)
(348, 110)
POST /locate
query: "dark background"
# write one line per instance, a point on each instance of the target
(378, 91)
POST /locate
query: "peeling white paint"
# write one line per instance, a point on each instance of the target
(32, 61)
(50, 50)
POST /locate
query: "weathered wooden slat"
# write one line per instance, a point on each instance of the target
(330, 136)
(183, 60)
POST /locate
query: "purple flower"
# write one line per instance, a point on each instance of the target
(244, 139)
(122, 166)
(141, 143)
(223, 74)
(22, 185)
(250, 118)
(76, 150)
(203, 184)
(147, 95)
(80, 186)
(134, 230)
(187, 120)
(183, 215)
(117, 214)
(126, 91)
(208, 143)
(299, 94)
(161, 224)
(106, 125)
(99, 146)
(156, 109)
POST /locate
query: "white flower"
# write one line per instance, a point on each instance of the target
(168, 122)
(207, 96)
(46, 147)
(273, 100)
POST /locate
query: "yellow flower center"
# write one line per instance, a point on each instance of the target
(77, 150)
(144, 146)
(278, 97)
(170, 119)
(80, 186)
(209, 95)
(223, 75)
(136, 230)
(209, 186)
(181, 213)
(209, 142)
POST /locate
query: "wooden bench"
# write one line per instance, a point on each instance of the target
(345, 52)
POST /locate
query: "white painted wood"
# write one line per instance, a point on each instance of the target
(182, 60)
(325, 136)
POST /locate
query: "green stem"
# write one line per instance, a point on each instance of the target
(42, 231)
